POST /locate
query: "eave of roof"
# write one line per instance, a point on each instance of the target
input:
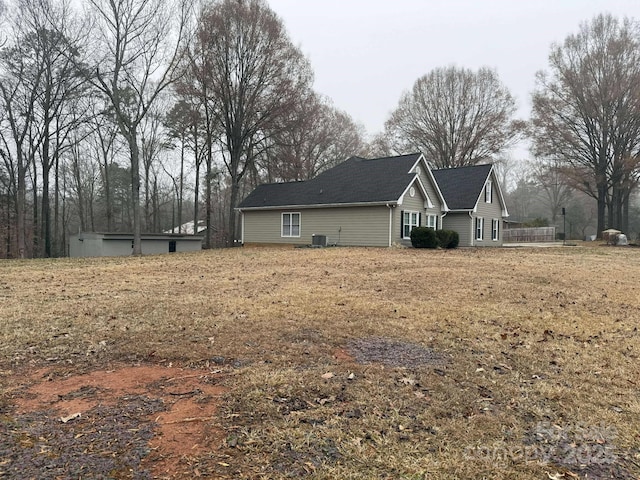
(318, 205)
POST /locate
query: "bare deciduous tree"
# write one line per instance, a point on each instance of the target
(455, 117)
(142, 42)
(195, 88)
(180, 121)
(54, 42)
(550, 176)
(254, 77)
(586, 112)
(20, 83)
(315, 136)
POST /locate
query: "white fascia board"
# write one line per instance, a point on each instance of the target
(424, 192)
(425, 166)
(425, 195)
(503, 203)
(462, 210)
(318, 205)
(495, 186)
(484, 185)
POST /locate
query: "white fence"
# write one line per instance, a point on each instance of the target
(537, 234)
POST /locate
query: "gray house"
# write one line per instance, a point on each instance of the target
(91, 244)
(476, 205)
(365, 202)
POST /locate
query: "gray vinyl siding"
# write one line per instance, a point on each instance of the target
(489, 211)
(348, 226)
(431, 191)
(463, 224)
(425, 178)
(409, 204)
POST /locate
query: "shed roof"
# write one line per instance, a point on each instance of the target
(129, 236)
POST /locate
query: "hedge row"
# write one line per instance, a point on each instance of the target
(426, 237)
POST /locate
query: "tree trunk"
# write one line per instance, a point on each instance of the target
(107, 192)
(602, 188)
(21, 202)
(64, 218)
(135, 191)
(45, 229)
(196, 192)
(56, 204)
(36, 247)
(155, 203)
(147, 196)
(207, 238)
(80, 192)
(180, 194)
(9, 222)
(233, 200)
(624, 214)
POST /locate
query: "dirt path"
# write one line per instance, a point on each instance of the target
(141, 422)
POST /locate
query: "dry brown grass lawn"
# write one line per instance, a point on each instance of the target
(538, 373)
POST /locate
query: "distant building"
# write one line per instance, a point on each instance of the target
(91, 244)
(189, 228)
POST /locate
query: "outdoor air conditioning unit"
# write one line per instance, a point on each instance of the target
(318, 240)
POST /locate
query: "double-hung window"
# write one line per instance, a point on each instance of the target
(479, 228)
(290, 224)
(409, 220)
(495, 229)
(432, 221)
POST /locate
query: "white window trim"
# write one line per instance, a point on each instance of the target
(488, 192)
(411, 213)
(428, 222)
(495, 229)
(290, 215)
(479, 220)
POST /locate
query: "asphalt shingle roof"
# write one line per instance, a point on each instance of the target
(357, 180)
(461, 187)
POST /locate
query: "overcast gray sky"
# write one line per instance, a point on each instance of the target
(365, 53)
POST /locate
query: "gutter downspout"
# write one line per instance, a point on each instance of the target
(442, 220)
(473, 230)
(241, 227)
(390, 207)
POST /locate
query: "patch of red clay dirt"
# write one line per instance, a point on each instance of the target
(185, 429)
(343, 355)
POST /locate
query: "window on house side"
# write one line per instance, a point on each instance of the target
(432, 221)
(479, 228)
(290, 224)
(411, 219)
(488, 194)
(495, 229)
